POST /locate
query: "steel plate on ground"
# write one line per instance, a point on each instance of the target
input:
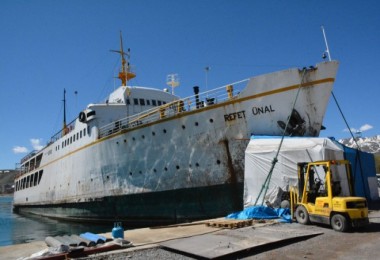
(227, 242)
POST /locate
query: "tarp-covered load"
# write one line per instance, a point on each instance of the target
(262, 150)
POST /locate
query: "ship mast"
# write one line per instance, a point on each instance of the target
(64, 113)
(125, 74)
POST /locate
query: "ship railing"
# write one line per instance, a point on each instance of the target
(70, 127)
(20, 170)
(28, 156)
(197, 101)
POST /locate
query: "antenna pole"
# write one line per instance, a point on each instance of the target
(327, 46)
(207, 69)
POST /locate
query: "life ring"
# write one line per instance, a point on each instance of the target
(82, 117)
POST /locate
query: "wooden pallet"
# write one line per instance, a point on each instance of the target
(231, 224)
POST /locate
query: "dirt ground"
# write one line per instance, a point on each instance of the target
(358, 244)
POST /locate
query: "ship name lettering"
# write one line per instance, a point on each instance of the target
(233, 116)
(262, 110)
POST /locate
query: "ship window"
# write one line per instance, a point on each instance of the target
(91, 113)
(159, 102)
(142, 101)
(80, 134)
(128, 101)
(135, 101)
(32, 180)
(148, 102)
(27, 181)
(40, 176)
(35, 178)
(163, 102)
(63, 144)
(84, 132)
(154, 103)
(71, 140)
(77, 136)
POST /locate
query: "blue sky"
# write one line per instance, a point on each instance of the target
(47, 46)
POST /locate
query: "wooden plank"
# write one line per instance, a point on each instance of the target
(230, 223)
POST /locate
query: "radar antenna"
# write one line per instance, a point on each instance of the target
(125, 74)
(173, 81)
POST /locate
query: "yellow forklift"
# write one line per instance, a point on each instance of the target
(325, 195)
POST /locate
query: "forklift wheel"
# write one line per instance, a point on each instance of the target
(339, 223)
(302, 215)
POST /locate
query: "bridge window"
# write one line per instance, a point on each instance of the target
(135, 101)
(154, 103)
(142, 102)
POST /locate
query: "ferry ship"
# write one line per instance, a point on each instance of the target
(146, 156)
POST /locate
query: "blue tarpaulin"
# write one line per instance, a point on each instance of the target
(262, 212)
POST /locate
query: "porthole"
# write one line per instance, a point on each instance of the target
(183, 126)
(196, 124)
(154, 170)
(153, 133)
(165, 168)
(218, 161)
(164, 131)
(125, 140)
(133, 138)
(92, 179)
(140, 172)
(130, 173)
(108, 177)
(117, 142)
(197, 164)
(211, 120)
(177, 167)
(143, 136)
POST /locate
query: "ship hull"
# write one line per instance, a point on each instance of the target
(148, 209)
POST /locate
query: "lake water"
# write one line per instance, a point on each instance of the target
(16, 229)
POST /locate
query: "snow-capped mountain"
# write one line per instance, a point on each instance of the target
(366, 144)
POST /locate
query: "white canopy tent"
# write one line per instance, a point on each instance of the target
(258, 161)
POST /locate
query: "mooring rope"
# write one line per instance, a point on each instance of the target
(357, 145)
(265, 185)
